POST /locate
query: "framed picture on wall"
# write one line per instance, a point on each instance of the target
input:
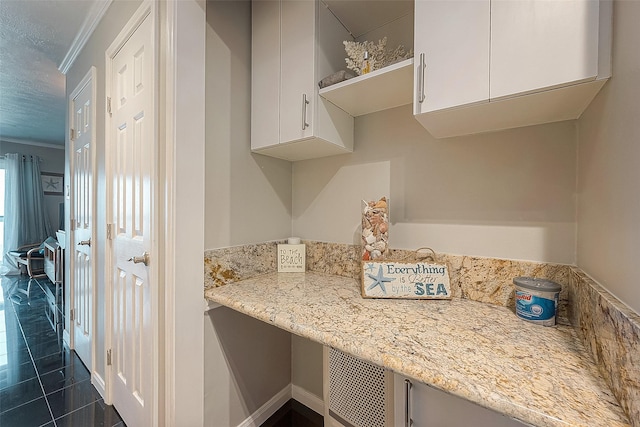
(52, 183)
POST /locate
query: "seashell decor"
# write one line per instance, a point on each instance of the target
(379, 55)
(375, 229)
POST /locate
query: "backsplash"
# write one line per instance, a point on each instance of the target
(228, 265)
(609, 330)
(486, 280)
(611, 333)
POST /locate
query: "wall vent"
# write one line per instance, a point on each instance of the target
(358, 391)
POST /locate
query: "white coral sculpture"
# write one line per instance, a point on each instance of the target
(379, 56)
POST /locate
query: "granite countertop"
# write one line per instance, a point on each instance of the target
(481, 352)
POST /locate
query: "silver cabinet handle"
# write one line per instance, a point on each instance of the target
(84, 242)
(305, 102)
(408, 422)
(423, 65)
(140, 259)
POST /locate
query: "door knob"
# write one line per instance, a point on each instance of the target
(144, 258)
(85, 243)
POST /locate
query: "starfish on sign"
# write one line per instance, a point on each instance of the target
(51, 184)
(369, 266)
(379, 280)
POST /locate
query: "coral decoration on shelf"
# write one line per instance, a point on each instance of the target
(378, 55)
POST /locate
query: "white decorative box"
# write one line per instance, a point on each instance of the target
(291, 258)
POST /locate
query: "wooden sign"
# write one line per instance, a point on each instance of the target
(409, 280)
(291, 258)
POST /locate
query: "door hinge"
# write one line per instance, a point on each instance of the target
(109, 357)
(109, 231)
(109, 105)
(73, 224)
(72, 134)
(72, 314)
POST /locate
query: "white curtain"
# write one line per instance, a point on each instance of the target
(25, 218)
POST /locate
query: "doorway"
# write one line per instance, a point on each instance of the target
(82, 207)
(131, 153)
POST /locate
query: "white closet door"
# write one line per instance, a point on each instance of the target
(132, 150)
(82, 216)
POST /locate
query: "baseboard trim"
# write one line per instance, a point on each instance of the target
(98, 383)
(291, 391)
(268, 409)
(66, 337)
(307, 398)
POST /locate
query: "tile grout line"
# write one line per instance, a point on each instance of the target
(44, 394)
(75, 410)
(26, 315)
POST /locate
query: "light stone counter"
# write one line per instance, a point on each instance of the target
(484, 353)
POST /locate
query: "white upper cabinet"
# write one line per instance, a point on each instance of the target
(486, 65)
(451, 44)
(542, 44)
(297, 70)
(265, 74)
(294, 45)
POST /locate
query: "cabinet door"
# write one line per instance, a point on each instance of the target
(265, 73)
(431, 407)
(297, 69)
(541, 44)
(452, 38)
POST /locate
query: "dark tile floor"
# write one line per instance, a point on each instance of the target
(42, 381)
(294, 414)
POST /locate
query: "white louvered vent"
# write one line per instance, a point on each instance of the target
(357, 390)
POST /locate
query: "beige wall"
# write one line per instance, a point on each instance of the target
(306, 365)
(608, 168)
(247, 362)
(93, 55)
(508, 194)
(247, 200)
(248, 196)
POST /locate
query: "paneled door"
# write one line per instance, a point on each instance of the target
(131, 160)
(82, 202)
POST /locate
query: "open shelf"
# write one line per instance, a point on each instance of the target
(379, 90)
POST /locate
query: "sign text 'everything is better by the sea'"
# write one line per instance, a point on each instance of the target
(396, 279)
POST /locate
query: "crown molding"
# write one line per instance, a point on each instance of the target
(88, 26)
(34, 143)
